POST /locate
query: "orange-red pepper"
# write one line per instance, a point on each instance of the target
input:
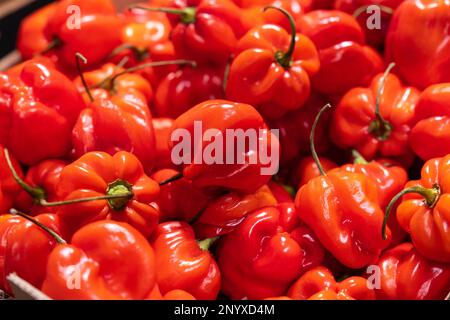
(345, 60)
(430, 136)
(90, 27)
(183, 263)
(40, 100)
(122, 178)
(105, 260)
(407, 275)
(418, 42)
(427, 221)
(272, 69)
(376, 121)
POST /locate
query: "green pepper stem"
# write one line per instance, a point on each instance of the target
(55, 43)
(226, 74)
(311, 139)
(78, 57)
(38, 194)
(362, 9)
(109, 81)
(431, 196)
(205, 244)
(187, 15)
(285, 58)
(380, 127)
(125, 195)
(176, 177)
(141, 54)
(358, 158)
(57, 237)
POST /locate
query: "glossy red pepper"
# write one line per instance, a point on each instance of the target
(243, 174)
(418, 42)
(72, 20)
(427, 221)
(121, 177)
(430, 136)
(180, 199)
(407, 275)
(260, 259)
(105, 260)
(223, 214)
(42, 100)
(181, 90)
(319, 284)
(43, 178)
(25, 247)
(183, 263)
(9, 188)
(345, 60)
(272, 69)
(376, 121)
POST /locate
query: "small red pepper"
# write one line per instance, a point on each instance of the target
(105, 260)
(91, 28)
(183, 263)
(430, 136)
(345, 60)
(25, 247)
(407, 275)
(42, 100)
(376, 121)
(427, 221)
(418, 42)
(99, 186)
(272, 69)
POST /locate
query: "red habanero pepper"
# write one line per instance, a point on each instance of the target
(179, 199)
(407, 275)
(245, 173)
(107, 259)
(207, 31)
(430, 136)
(260, 259)
(37, 112)
(345, 60)
(25, 247)
(342, 208)
(181, 90)
(319, 284)
(427, 221)
(41, 181)
(9, 189)
(272, 69)
(364, 11)
(418, 42)
(162, 128)
(31, 38)
(376, 121)
(183, 263)
(99, 186)
(307, 169)
(92, 27)
(223, 214)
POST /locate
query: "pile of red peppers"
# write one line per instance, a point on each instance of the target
(93, 205)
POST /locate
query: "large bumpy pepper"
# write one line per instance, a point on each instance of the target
(376, 121)
(272, 69)
(345, 60)
(183, 263)
(407, 275)
(430, 136)
(261, 258)
(427, 221)
(418, 42)
(99, 186)
(343, 210)
(246, 170)
(104, 260)
(37, 112)
(90, 27)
